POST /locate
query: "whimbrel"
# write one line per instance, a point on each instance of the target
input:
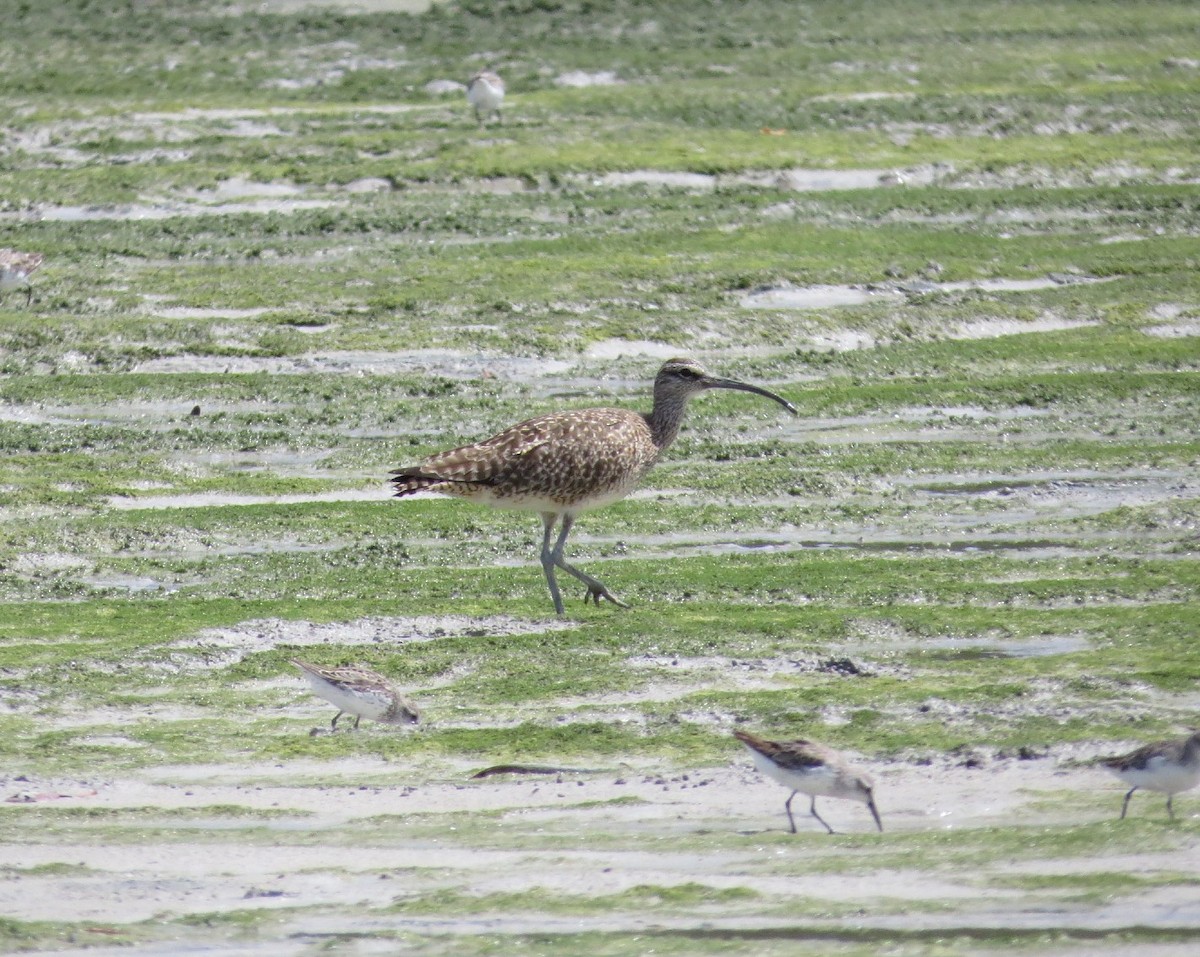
(1164, 766)
(15, 270)
(485, 93)
(360, 692)
(565, 463)
(811, 768)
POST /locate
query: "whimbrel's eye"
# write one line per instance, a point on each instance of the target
(689, 373)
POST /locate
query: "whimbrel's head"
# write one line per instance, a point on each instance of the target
(679, 379)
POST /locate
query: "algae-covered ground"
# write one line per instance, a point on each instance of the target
(283, 258)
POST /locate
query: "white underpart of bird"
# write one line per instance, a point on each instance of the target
(485, 93)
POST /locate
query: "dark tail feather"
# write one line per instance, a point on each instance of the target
(751, 740)
(407, 481)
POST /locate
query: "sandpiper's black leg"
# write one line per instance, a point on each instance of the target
(813, 810)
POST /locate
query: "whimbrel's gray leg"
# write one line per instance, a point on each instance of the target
(548, 520)
(813, 810)
(1170, 810)
(1125, 806)
(333, 723)
(595, 588)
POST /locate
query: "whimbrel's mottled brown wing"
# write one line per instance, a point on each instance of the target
(564, 456)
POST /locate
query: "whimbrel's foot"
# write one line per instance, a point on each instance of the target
(596, 591)
(595, 587)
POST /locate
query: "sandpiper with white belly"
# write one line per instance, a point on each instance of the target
(360, 692)
(485, 93)
(813, 769)
(1165, 766)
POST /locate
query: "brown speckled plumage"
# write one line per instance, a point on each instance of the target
(565, 463)
(564, 460)
(15, 270)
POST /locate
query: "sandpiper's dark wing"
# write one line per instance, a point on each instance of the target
(796, 755)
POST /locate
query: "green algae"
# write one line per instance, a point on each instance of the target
(980, 534)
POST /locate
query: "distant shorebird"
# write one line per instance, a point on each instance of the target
(485, 93)
(811, 768)
(15, 270)
(1164, 766)
(565, 463)
(360, 692)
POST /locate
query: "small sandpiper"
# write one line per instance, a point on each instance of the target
(1164, 766)
(15, 270)
(360, 692)
(811, 768)
(485, 93)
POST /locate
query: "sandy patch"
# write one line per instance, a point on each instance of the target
(267, 634)
(618, 348)
(452, 364)
(222, 499)
(345, 6)
(581, 78)
(995, 328)
(190, 312)
(147, 212)
(239, 187)
(786, 296)
(1176, 330)
(794, 180)
(337, 856)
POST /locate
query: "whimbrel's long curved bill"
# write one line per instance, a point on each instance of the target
(713, 382)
